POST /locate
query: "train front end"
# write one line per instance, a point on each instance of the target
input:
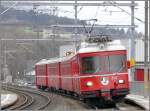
(103, 72)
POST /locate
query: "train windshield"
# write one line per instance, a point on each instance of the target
(117, 63)
(111, 63)
(90, 65)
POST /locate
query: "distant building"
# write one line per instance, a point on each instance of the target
(5, 72)
(139, 58)
(30, 77)
(47, 33)
(139, 49)
(65, 49)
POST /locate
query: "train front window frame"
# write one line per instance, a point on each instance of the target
(90, 64)
(115, 63)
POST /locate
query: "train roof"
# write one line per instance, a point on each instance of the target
(54, 60)
(60, 59)
(43, 61)
(93, 47)
(87, 48)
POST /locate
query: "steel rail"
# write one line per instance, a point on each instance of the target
(130, 103)
(40, 94)
(33, 92)
(85, 103)
(75, 98)
(108, 104)
(19, 105)
(25, 103)
(28, 104)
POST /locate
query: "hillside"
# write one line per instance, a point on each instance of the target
(20, 54)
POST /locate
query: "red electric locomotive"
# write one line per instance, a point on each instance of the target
(95, 70)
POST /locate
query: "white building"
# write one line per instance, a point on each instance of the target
(139, 53)
(139, 49)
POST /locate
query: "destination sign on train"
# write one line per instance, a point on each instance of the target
(99, 39)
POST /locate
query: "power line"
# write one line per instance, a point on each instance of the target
(96, 12)
(115, 4)
(8, 8)
(80, 9)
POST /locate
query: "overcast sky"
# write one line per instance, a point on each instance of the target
(105, 14)
(109, 15)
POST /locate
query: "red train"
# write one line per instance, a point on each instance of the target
(94, 71)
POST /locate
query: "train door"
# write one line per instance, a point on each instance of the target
(75, 75)
(46, 75)
(59, 75)
(36, 74)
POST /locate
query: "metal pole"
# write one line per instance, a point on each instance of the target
(132, 42)
(0, 56)
(5, 68)
(149, 32)
(146, 51)
(5, 53)
(149, 50)
(76, 17)
(149, 36)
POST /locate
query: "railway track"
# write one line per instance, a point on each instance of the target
(125, 104)
(128, 105)
(56, 94)
(107, 105)
(24, 100)
(25, 91)
(28, 99)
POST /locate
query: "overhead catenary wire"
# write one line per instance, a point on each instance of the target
(91, 29)
(80, 9)
(123, 10)
(115, 4)
(8, 8)
(96, 12)
(94, 19)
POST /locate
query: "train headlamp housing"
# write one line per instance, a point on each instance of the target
(89, 83)
(121, 81)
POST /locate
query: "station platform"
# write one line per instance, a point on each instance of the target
(139, 100)
(8, 98)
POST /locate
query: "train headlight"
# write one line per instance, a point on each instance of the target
(121, 81)
(89, 83)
